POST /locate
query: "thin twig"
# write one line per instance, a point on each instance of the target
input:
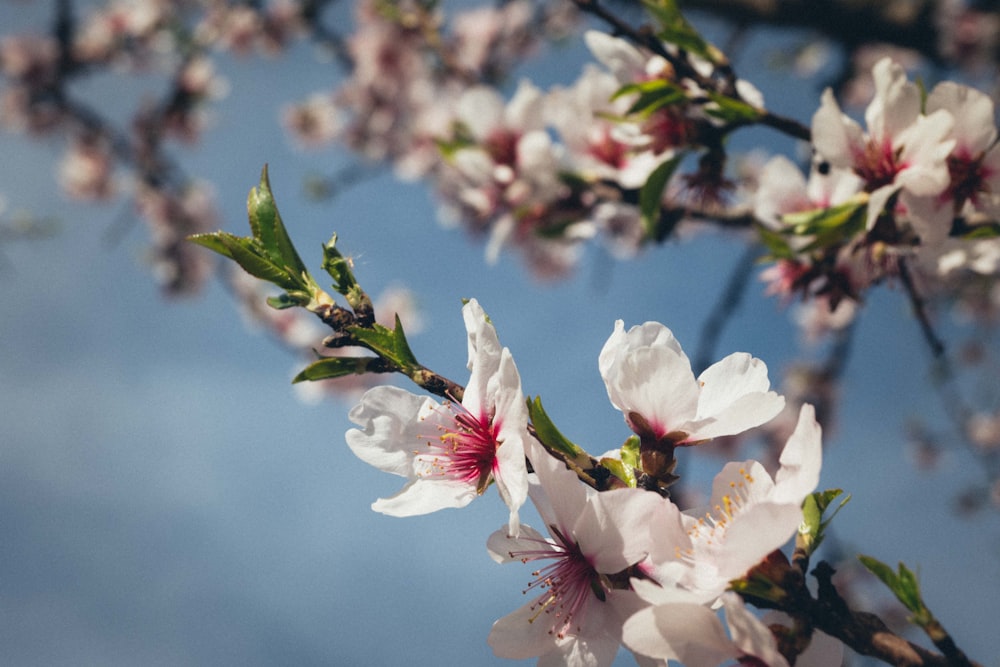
(920, 310)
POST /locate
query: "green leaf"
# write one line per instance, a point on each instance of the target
(212, 242)
(776, 244)
(651, 197)
(333, 367)
(732, 110)
(338, 266)
(630, 451)
(674, 29)
(987, 231)
(652, 95)
(813, 527)
(620, 470)
(388, 343)
(269, 230)
(828, 226)
(548, 434)
(820, 220)
(249, 255)
(903, 584)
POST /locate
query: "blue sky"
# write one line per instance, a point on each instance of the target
(167, 499)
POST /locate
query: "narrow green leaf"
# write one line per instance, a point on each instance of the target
(268, 228)
(651, 196)
(674, 29)
(776, 244)
(333, 367)
(731, 110)
(819, 220)
(903, 585)
(547, 432)
(387, 343)
(213, 242)
(987, 231)
(249, 255)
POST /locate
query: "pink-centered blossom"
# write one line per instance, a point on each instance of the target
(581, 594)
(450, 452)
(696, 553)
(902, 151)
(973, 164)
(649, 378)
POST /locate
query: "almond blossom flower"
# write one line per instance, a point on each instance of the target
(695, 554)
(450, 452)
(973, 164)
(649, 378)
(693, 635)
(583, 596)
(903, 151)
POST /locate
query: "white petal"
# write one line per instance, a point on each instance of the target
(801, 460)
(614, 530)
(624, 60)
(750, 634)
(689, 633)
(897, 101)
(501, 543)
(481, 109)
(517, 637)
(392, 428)
(734, 392)
(524, 111)
(645, 371)
(557, 492)
(753, 534)
(836, 137)
(423, 496)
(975, 124)
(877, 201)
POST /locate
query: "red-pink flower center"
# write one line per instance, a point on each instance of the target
(605, 148)
(877, 164)
(466, 449)
(968, 177)
(501, 144)
(566, 583)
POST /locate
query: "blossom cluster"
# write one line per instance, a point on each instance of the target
(103, 161)
(920, 183)
(547, 171)
(621, 566)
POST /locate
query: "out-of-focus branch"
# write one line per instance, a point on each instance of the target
(906, 24)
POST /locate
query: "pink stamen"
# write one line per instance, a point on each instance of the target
(567, 583)
(466, 449)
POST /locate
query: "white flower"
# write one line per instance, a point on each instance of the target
(583, 596)
(696, 554)
(450, 452)
(693, 635)
(649, 379)
(903, 151)
(973, 164)
(782, 189)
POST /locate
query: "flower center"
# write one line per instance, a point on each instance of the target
(710, 530)
(566, 584)
(466, 449)
(967, 179)
(877, 164)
